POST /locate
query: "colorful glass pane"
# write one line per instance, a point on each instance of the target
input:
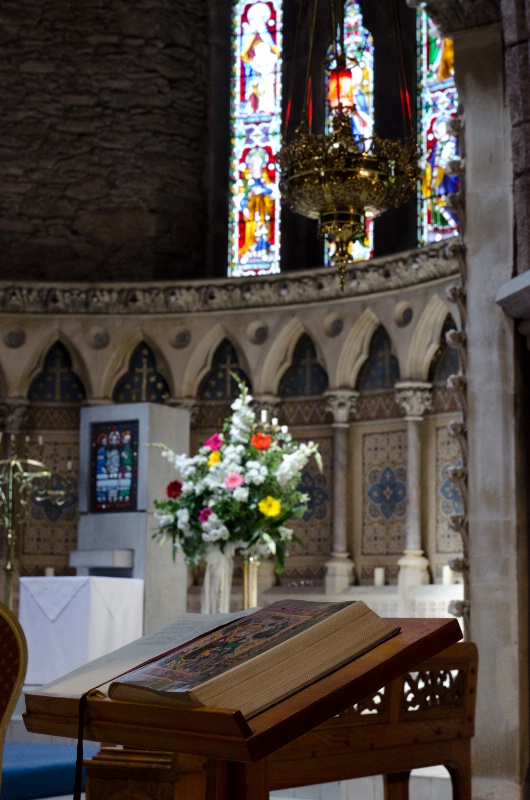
(254, 214)
(438, 104)
(359, 52)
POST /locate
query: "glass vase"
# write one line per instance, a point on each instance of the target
(251, 565)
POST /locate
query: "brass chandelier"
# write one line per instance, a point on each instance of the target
(340, 178)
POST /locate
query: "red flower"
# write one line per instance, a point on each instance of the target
(174, 489)
(261, 441)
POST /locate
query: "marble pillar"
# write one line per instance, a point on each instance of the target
(414, 398)
(339, 568)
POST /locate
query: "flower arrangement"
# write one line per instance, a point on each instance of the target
(238, 492)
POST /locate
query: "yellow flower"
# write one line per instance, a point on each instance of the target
(269, 506)
(215, 457)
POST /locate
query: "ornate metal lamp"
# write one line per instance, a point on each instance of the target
(342, 179)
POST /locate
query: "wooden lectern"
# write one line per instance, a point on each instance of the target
(237, 748)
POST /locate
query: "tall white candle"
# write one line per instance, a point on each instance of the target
(379, 576)
(264, 415)
(447, 574)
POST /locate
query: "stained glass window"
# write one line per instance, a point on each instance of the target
(142, 382)
(359, 52)
(254, 214)
(305, 377)
(57, 382)
(381, 370)
(219, 383)
(438, 103)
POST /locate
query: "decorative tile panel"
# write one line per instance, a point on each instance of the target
(448, 498)
(384, 479)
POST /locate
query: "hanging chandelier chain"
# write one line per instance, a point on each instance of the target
(404, 94)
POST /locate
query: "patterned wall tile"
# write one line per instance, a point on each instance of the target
(448, 499)
(384, 480)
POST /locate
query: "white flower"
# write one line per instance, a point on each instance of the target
(241, 494)
(214, 529)
(286, 534)
(293, 463)
(163, 519)
(256, 473)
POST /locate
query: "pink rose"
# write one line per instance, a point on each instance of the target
(214, 442)
(233, 480)
(204, 514)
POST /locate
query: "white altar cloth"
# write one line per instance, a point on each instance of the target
(71, 620)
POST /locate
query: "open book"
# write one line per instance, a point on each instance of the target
(256, 661)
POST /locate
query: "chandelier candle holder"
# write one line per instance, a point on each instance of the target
(340, 178)
(21, 476)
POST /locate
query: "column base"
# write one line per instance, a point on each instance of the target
(339, 573)
(413, 571)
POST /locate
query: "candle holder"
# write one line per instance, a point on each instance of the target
(21, 476)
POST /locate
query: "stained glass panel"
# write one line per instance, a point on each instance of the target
(142, 383)
(438, 104)
(359, 51)
(57, 382)
(254, 213)
(305, 377)
(381, 369)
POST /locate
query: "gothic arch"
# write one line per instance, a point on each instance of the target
(201, 359)
(356, 349)
(426, 339)
(119, 364)
(279, 357)
(36, 364)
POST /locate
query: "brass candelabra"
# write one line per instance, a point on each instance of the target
(21, 476)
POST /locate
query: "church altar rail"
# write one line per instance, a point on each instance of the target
(424, 718)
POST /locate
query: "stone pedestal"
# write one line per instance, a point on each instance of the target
(106, 540)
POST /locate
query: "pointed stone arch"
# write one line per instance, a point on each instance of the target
(356, 349)
(36, 365)
(118, 364)
(57, 381)
(280, 357)
(426, 339)
(305, 376)
(202, 357)
(143, 380)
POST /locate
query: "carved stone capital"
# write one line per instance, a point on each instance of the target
(342, 403)
(12, 416)
(414, 398)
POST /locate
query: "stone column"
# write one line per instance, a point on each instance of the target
(339, 568)
(414, 398)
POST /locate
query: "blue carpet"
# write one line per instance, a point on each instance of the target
(39, 770)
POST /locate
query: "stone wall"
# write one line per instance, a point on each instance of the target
(102, 145)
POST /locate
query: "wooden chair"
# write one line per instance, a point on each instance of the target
(13, 665)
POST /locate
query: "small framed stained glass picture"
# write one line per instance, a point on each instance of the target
(113, 466)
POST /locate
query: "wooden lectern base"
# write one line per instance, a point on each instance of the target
(236, 749)
(421, 719)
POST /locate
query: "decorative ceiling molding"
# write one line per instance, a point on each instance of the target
(381, 275)
(450, 16)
